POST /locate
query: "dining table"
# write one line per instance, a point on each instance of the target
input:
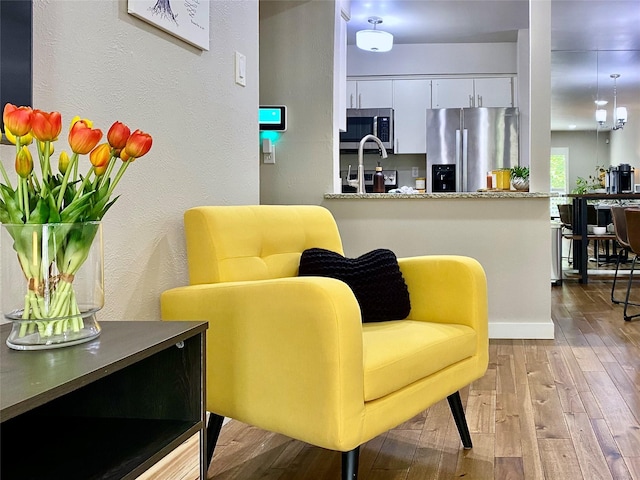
(581, 237)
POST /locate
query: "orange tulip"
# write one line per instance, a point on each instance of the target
(24, 162)
(46, 126)
(124, 157)
(82, 139)
(99, 171)
(118, 135)
(139, 143)
(100, 155)
(17, 119)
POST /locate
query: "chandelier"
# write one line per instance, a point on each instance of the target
(374, 40)
(619, 113)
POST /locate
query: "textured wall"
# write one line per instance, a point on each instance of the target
(296, 69)
(95, 60)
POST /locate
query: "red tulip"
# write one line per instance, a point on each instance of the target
(46, 126)
(24, 162)
(100, 155)
(139, 143)
(83, 139)
(17, 119)
(118, 135)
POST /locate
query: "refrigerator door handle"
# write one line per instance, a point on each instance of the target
(458, 161)
(465, 151)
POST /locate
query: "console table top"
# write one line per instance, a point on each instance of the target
(29, 379)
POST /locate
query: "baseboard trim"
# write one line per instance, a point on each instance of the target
(522, 330)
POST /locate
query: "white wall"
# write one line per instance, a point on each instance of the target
(586, 150)
(95, 60)
(625, 143)
(296, 70)
(436, 59)
(509, 237)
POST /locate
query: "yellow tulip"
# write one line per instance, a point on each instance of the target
(24, 162)
(75, 119)
(63, 162)
(51, 149)
(24, 139)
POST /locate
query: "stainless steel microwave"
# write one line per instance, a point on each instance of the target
(365, 121)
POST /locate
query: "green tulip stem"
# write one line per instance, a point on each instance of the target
(121, 171)
(46, 168)
(85, 180)
(25, 193)
(107, 174)
(4, 175)
(65, 180)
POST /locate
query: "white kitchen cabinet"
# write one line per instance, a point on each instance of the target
(411, 99)
(369, 94)
(494, 92)
(472, 92)
(452, 93)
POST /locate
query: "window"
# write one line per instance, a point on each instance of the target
(559, 173)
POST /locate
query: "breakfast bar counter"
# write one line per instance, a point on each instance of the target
(506, 231)
(440, 196)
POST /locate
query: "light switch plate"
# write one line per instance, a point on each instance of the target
(241, 69)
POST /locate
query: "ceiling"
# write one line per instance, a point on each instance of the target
(590, 39)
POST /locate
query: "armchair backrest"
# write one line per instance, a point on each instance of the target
(254, 242)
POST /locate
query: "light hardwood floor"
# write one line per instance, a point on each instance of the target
(558, 409)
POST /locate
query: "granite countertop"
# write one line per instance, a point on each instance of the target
(452, 195)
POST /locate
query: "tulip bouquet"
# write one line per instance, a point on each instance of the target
(66, 198)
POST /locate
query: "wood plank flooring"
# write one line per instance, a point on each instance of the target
(567, 408)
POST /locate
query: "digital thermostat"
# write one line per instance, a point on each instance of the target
(273, 117)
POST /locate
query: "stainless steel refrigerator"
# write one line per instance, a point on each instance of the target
(464, 144)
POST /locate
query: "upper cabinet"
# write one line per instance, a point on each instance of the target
(411, 99)
(473, 92)
(495, 92)
(369, 94)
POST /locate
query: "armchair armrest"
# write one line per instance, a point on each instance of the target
(449, 289)
(278, 350)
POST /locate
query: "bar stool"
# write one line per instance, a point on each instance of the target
(632, 216)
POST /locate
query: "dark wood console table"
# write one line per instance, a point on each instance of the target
(105, 409)
(580, 225)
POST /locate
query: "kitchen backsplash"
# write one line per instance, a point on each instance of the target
(404, 164)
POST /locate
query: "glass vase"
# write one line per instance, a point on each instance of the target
(52, 283)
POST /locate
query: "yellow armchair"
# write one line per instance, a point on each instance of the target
(290, 354)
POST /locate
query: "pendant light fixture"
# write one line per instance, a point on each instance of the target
(619, 113)
(374, 40)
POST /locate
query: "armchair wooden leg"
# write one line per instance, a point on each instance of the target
(455, 403)
(214, 425)
(350, 464)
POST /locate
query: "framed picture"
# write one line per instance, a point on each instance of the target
(185, 19)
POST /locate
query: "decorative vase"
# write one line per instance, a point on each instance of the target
(52, 283)
(520, 184)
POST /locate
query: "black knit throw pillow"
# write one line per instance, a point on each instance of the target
(374, 278)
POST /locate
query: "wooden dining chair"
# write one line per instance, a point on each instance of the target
(620, 230)
(632, 217)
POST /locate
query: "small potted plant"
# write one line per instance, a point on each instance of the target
(592, 184)
(520, 178)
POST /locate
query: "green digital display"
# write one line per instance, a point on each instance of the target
(273, 117)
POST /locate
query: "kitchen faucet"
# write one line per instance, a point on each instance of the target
(359, 182)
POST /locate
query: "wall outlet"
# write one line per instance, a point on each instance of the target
(414, 172)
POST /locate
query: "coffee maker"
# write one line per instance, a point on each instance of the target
(620, 179)
(625, 178)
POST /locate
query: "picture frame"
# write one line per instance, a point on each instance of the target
(186, 19)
